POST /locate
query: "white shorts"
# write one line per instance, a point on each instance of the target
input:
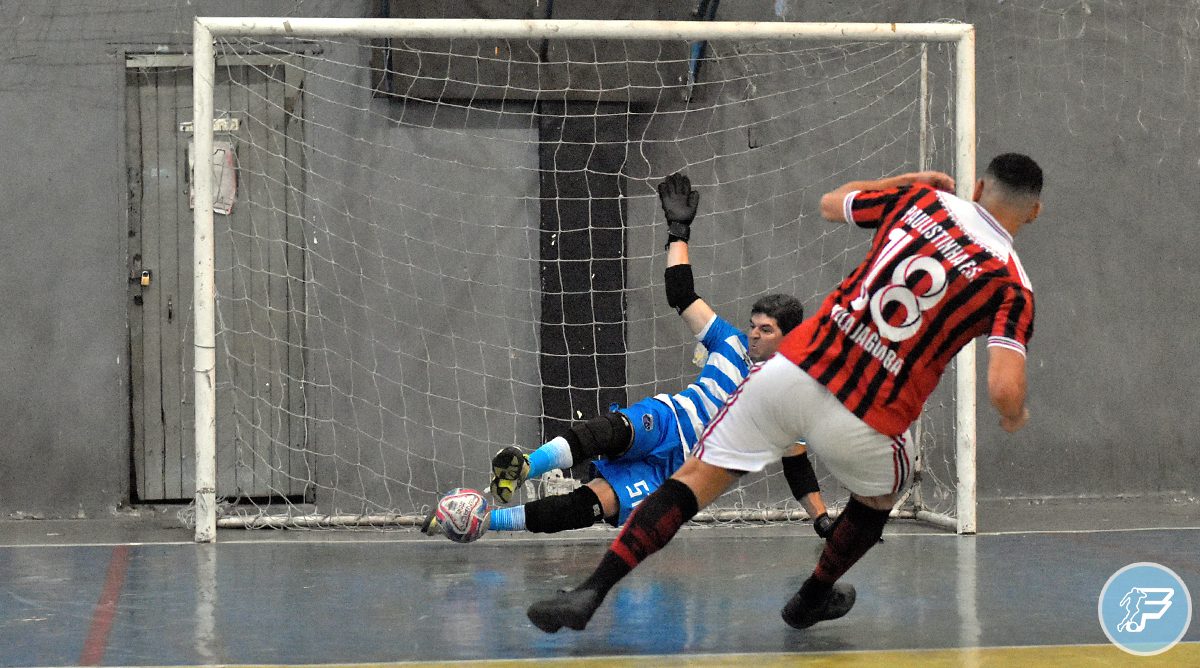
(779, 404)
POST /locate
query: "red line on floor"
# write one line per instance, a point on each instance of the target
(106, 608)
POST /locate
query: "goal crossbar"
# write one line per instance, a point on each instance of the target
(582, 29)
(207, 29)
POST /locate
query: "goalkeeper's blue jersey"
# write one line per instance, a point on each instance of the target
(727, 366)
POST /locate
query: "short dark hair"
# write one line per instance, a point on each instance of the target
(1018, 172)
(786, 309)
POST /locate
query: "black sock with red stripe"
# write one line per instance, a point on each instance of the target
(858, 529)
(648, 529)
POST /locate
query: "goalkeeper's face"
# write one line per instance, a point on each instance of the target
(764, 336)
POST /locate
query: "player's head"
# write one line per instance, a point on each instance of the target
(771, 317)
(1011, 187)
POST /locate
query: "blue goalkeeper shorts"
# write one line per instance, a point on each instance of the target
(655, 455)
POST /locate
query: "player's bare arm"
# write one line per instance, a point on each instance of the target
(831, 202)
(679, 203)
(1007, 387)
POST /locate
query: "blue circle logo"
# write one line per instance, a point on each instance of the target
(1145, 608)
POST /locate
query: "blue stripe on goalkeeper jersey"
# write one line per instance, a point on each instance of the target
(727, 366)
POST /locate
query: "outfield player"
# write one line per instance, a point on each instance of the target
(850, 380)
(635, 449)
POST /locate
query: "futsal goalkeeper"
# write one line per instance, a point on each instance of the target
(637, 448)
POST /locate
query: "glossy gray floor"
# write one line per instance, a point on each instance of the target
(68, 596)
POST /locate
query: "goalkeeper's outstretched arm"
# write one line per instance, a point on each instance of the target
(679, 204)
(680, 289)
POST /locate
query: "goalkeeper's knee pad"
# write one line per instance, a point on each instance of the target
(605, 436)
(578, 510)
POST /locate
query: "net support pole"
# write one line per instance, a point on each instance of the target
(918, 432)
(965, 373)
(203, 293)
(923, 111)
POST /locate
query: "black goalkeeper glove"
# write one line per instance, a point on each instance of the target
(824, 526)
(679, 203)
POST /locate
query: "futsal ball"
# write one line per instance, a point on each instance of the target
(463, 515)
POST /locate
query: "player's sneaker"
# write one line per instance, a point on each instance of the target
(837, 603)
(510, 468)
(431, 527)
(570, 608)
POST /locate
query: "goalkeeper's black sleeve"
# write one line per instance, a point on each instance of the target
(681, 287)
(801, 478)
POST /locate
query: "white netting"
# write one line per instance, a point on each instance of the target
(435, 253)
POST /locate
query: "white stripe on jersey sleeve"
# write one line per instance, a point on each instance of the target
(669, 401)
(715, 390)
(1005, 342)
(730, 370)
(692, 413)
(735, 342)
(848, 205)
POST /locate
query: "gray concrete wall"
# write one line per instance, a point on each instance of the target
(1104, 95)
(64, 425)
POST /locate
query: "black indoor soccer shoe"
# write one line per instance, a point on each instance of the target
(800, 615)
(572, 609)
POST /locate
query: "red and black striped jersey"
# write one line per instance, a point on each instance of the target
(940, 272)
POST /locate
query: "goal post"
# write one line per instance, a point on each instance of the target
(203, 290)
(347, 414)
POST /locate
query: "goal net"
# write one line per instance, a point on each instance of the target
(442, 238)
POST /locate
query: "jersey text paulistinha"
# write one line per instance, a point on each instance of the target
(940, 272)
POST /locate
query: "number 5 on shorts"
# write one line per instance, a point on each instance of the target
(637, 489)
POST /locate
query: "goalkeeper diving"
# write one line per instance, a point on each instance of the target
(636, 448)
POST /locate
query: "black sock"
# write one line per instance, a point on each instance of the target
(650, 527)
(814, 590)
(577, 510)
(857, 530)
